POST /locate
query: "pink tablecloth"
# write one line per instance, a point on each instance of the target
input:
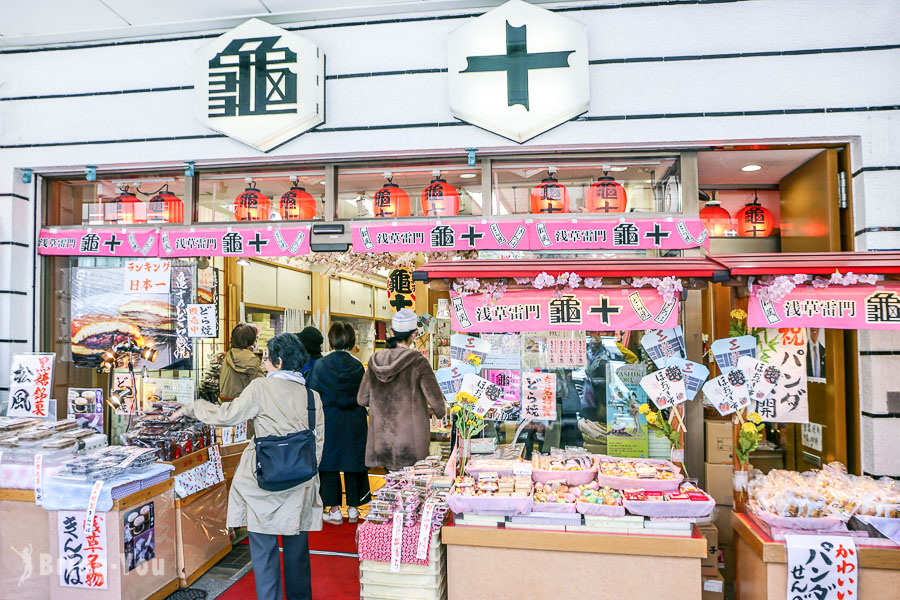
(374, 543)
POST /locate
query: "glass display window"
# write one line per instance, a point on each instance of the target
(283, 196)
(602, 186)
(391, 191)
(144, 200)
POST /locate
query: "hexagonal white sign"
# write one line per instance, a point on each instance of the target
(518, 70)
(260, 85)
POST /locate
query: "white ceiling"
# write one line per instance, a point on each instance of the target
(724, 167)
(40, 22)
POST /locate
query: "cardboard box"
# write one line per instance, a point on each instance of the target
(726, 562)
(713, 584)
(719, 483)
(724, 526)
(719, 441)
(712, 545)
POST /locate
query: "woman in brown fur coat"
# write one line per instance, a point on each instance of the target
(399, 388)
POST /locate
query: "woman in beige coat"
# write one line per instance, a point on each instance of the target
(277, 405)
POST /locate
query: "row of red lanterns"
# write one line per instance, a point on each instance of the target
(163, 207)
(440, 199)
(753, 220)
(296, 204)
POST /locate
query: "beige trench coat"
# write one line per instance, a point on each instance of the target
(277, 407)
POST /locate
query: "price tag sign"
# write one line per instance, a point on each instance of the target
(396, 541)
(522, 469)
(92, 507)
(425, 530)
(38, 478)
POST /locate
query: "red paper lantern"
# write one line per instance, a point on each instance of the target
(606, 196)
(390, 201)
(126, 209)
(440, 199)
(252, 205)
(165, 207)
(754, 220)
(549, 197)
(716, 219)
(297, 205)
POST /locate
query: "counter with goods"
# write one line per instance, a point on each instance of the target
(828, 503)
(568, 512)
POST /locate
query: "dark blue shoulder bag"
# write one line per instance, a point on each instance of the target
(284, 461)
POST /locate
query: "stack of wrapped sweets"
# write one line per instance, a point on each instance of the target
(594, 494)
(562, 461)
(172, 438)
(831, 492)
(555, 492)
(636, 469)
(405, 493)
(108, 463)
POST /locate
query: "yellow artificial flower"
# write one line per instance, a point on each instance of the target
(748, 428)
(738, 314)
(644, 408)
(465, 397)
(754, 418)
(471, 422)
(456, 409)
(651, 418)
(477, 417)
(473, 360)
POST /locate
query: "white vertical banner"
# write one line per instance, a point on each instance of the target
(822, 566)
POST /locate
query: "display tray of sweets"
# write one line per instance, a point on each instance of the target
(821, 500)
(600, 501)
(484, 496)
(500, 466)
(637, 473)
(689, 501)
(572, 468)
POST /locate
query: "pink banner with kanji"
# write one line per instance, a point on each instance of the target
(434, 235)
(581, 309)
(834, 307)
(609, 234)
(98, 242)
(265, 240)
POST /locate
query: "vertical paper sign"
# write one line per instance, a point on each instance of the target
(567, 352)
(203, 320)
(128, 392)
(30, 378)
(182, 295)
(146, 277)
(821, 566)
(785, 349)
(82, 556)
(139, 536)
(539, 396)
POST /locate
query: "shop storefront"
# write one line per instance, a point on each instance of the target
(573, 221)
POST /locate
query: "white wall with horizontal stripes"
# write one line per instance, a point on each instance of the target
(664, 74)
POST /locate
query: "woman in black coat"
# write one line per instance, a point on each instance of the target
(337, 377)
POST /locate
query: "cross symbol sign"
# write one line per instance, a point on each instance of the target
(657, 234)
(112, 243)
(605, 310)
(257, 242)
(400, 302)
(471, 236)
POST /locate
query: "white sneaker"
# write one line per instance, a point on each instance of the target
(334, 517)
(353, 514)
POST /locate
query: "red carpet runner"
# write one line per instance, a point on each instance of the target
(333, 577)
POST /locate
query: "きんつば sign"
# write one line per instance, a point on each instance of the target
(834, 307)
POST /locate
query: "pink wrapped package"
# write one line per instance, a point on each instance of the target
(505, 506)
(599, 510)
(553, 507)
(374, 543)
(691, 508)
(569, 477)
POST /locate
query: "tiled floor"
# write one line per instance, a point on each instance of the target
(227, 571)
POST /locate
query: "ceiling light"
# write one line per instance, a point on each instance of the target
(468, 175)
(618, 169)
(751, 168)
(322, 182)
(243, 262)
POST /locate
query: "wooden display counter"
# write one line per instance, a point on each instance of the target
(525, 563)
(154, 579)
(26, 570)
(762, 565)
(201, 537)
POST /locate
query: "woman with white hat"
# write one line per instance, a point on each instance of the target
(400, 388)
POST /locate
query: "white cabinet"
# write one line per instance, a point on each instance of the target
(356, 299)
(382, 304)
(334, 296)
(294, 289)
(260, 283)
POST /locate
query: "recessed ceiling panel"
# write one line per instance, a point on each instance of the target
(724, 167)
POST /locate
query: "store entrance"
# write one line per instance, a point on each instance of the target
(806, 208)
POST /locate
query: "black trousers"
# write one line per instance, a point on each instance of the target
(267, 566)
(357, 484)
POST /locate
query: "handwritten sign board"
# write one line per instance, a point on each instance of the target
(539, 396)
(821, 566)
(146, 277)
(83, 556)
(30, 378)
(203, 320)
(567, 352)
(785, 349)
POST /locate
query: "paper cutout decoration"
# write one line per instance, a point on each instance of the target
(727, 351)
